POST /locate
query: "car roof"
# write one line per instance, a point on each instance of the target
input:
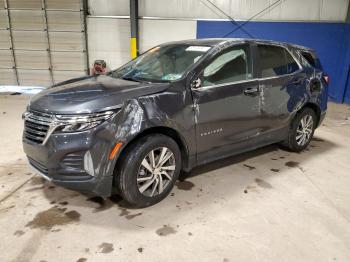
(218, 41)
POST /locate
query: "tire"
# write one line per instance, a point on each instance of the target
(134, 175)
(294, 142)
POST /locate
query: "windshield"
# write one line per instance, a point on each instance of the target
(162, 63)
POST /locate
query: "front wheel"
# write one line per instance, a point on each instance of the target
(301, 130)
(149, 170)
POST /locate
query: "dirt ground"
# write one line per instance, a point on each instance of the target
(265, 205)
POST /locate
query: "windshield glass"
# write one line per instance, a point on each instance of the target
(162, 63)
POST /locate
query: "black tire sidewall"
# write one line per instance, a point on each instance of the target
(127, 181)
(293, 145)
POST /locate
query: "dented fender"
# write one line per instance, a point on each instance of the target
(156, 111)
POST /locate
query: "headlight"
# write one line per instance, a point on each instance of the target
(82, 122)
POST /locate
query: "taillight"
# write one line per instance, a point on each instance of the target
(326, 79)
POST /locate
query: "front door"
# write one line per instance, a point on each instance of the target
(226, 102)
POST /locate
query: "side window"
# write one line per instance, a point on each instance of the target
(230, 66)
(292, 65)
(275, 61)
(310, 59)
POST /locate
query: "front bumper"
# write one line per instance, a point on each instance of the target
(61, 159)
(93, 185)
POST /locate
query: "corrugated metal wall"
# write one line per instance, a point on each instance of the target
(41, 41)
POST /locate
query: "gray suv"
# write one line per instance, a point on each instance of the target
(177, 106)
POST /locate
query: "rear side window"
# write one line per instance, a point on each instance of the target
(275, 61)
(311, 59)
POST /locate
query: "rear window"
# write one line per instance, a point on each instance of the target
(275, 61)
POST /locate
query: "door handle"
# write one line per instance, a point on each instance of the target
(251, 90)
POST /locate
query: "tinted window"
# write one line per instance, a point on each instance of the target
(230, 66)
(312, 59)
(309, 58)
(275, 61)
(292, 66)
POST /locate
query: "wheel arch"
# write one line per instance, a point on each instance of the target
(167, 131)
(316, 109)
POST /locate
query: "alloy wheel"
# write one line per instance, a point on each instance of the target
(156, 171)
(304, 130)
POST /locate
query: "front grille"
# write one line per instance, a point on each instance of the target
(40, 167)
(36, 126)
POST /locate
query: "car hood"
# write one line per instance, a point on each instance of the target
(91, 94)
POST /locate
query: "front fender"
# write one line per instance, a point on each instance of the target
(154, 111)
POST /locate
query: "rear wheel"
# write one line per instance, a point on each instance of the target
(149, 170)
(301, 130)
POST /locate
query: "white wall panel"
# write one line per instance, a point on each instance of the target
(109, 7)
(7, 77)
(62, 47)
(288, 10)
(63, 4)
(70, 21)
(306, 10)
(21, 19)
(29, 40)
(3, 19)
(155, 32)
(60, 76)
(332, 10)
(182, 8)
(34, 77)
(4, 39)
(109, 39)
(6, 60)
(315, 10)
(32, 59)
(67, 41)
(68, 61)
(25, 4)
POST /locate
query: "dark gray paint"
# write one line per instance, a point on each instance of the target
(247, 121)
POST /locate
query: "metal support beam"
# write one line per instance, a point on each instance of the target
(85, 13)
(134, 26)
(48, 45)
(9, 28)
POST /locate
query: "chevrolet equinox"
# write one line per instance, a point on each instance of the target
(177, 106)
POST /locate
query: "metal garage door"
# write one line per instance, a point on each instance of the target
(41, 41)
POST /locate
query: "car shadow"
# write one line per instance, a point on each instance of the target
(316, 146)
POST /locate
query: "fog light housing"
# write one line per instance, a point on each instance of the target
(88, 164)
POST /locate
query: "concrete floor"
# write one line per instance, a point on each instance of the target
(266, 205)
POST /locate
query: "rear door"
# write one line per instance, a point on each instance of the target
(280, 83)
(226, 104)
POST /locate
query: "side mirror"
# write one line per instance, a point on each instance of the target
(196, 83)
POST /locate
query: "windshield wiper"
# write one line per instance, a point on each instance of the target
(130, 79)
